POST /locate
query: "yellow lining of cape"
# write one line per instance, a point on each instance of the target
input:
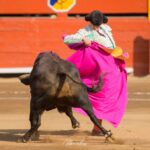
(117, 52)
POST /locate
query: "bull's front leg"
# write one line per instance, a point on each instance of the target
(35, 121)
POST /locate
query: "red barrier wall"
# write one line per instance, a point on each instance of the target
(22, 38)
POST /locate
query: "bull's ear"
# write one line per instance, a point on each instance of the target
(25, 79)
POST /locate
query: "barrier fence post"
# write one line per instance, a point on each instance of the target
(149, 10)
(149, 41)
(149, 57)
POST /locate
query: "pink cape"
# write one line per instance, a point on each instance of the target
(110, 102)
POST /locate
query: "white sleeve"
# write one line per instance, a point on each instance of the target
(74, 38)
(107, 27)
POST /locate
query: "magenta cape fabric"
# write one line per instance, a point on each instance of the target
(110, 103)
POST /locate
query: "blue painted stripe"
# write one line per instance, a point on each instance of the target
(52, 2)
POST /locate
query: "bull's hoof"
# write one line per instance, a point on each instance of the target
(109, 137)
(35, 136)
(109, 133)
(23, 139)
(76, 125)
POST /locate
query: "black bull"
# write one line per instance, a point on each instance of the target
(56, 83)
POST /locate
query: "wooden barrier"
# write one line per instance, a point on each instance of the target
(22, 38)
(82, 6)
(149, 10)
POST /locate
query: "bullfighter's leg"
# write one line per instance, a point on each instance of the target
(35, 121)
(74, 122)
(96, 131)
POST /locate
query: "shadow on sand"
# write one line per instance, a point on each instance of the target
(13, 135)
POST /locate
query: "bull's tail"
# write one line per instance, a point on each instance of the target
(25, 79)
(94, 88)
(98, 87)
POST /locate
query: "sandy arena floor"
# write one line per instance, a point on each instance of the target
(56, 132)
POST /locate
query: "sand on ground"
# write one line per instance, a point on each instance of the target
(56, 131)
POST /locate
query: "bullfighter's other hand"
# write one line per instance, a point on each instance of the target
(86, 41)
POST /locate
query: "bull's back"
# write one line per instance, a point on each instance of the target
(46, 75)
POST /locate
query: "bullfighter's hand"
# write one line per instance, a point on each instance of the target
(86, 41)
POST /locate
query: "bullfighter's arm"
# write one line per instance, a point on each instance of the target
(74, 38)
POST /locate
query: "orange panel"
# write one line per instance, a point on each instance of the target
(112, 6)
(24, 7)
(23, 38)
(82, 6)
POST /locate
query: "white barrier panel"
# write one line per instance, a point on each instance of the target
(28, 70)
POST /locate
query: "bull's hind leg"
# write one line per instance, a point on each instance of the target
(86, 106)
(74, 122)
(35, 121)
